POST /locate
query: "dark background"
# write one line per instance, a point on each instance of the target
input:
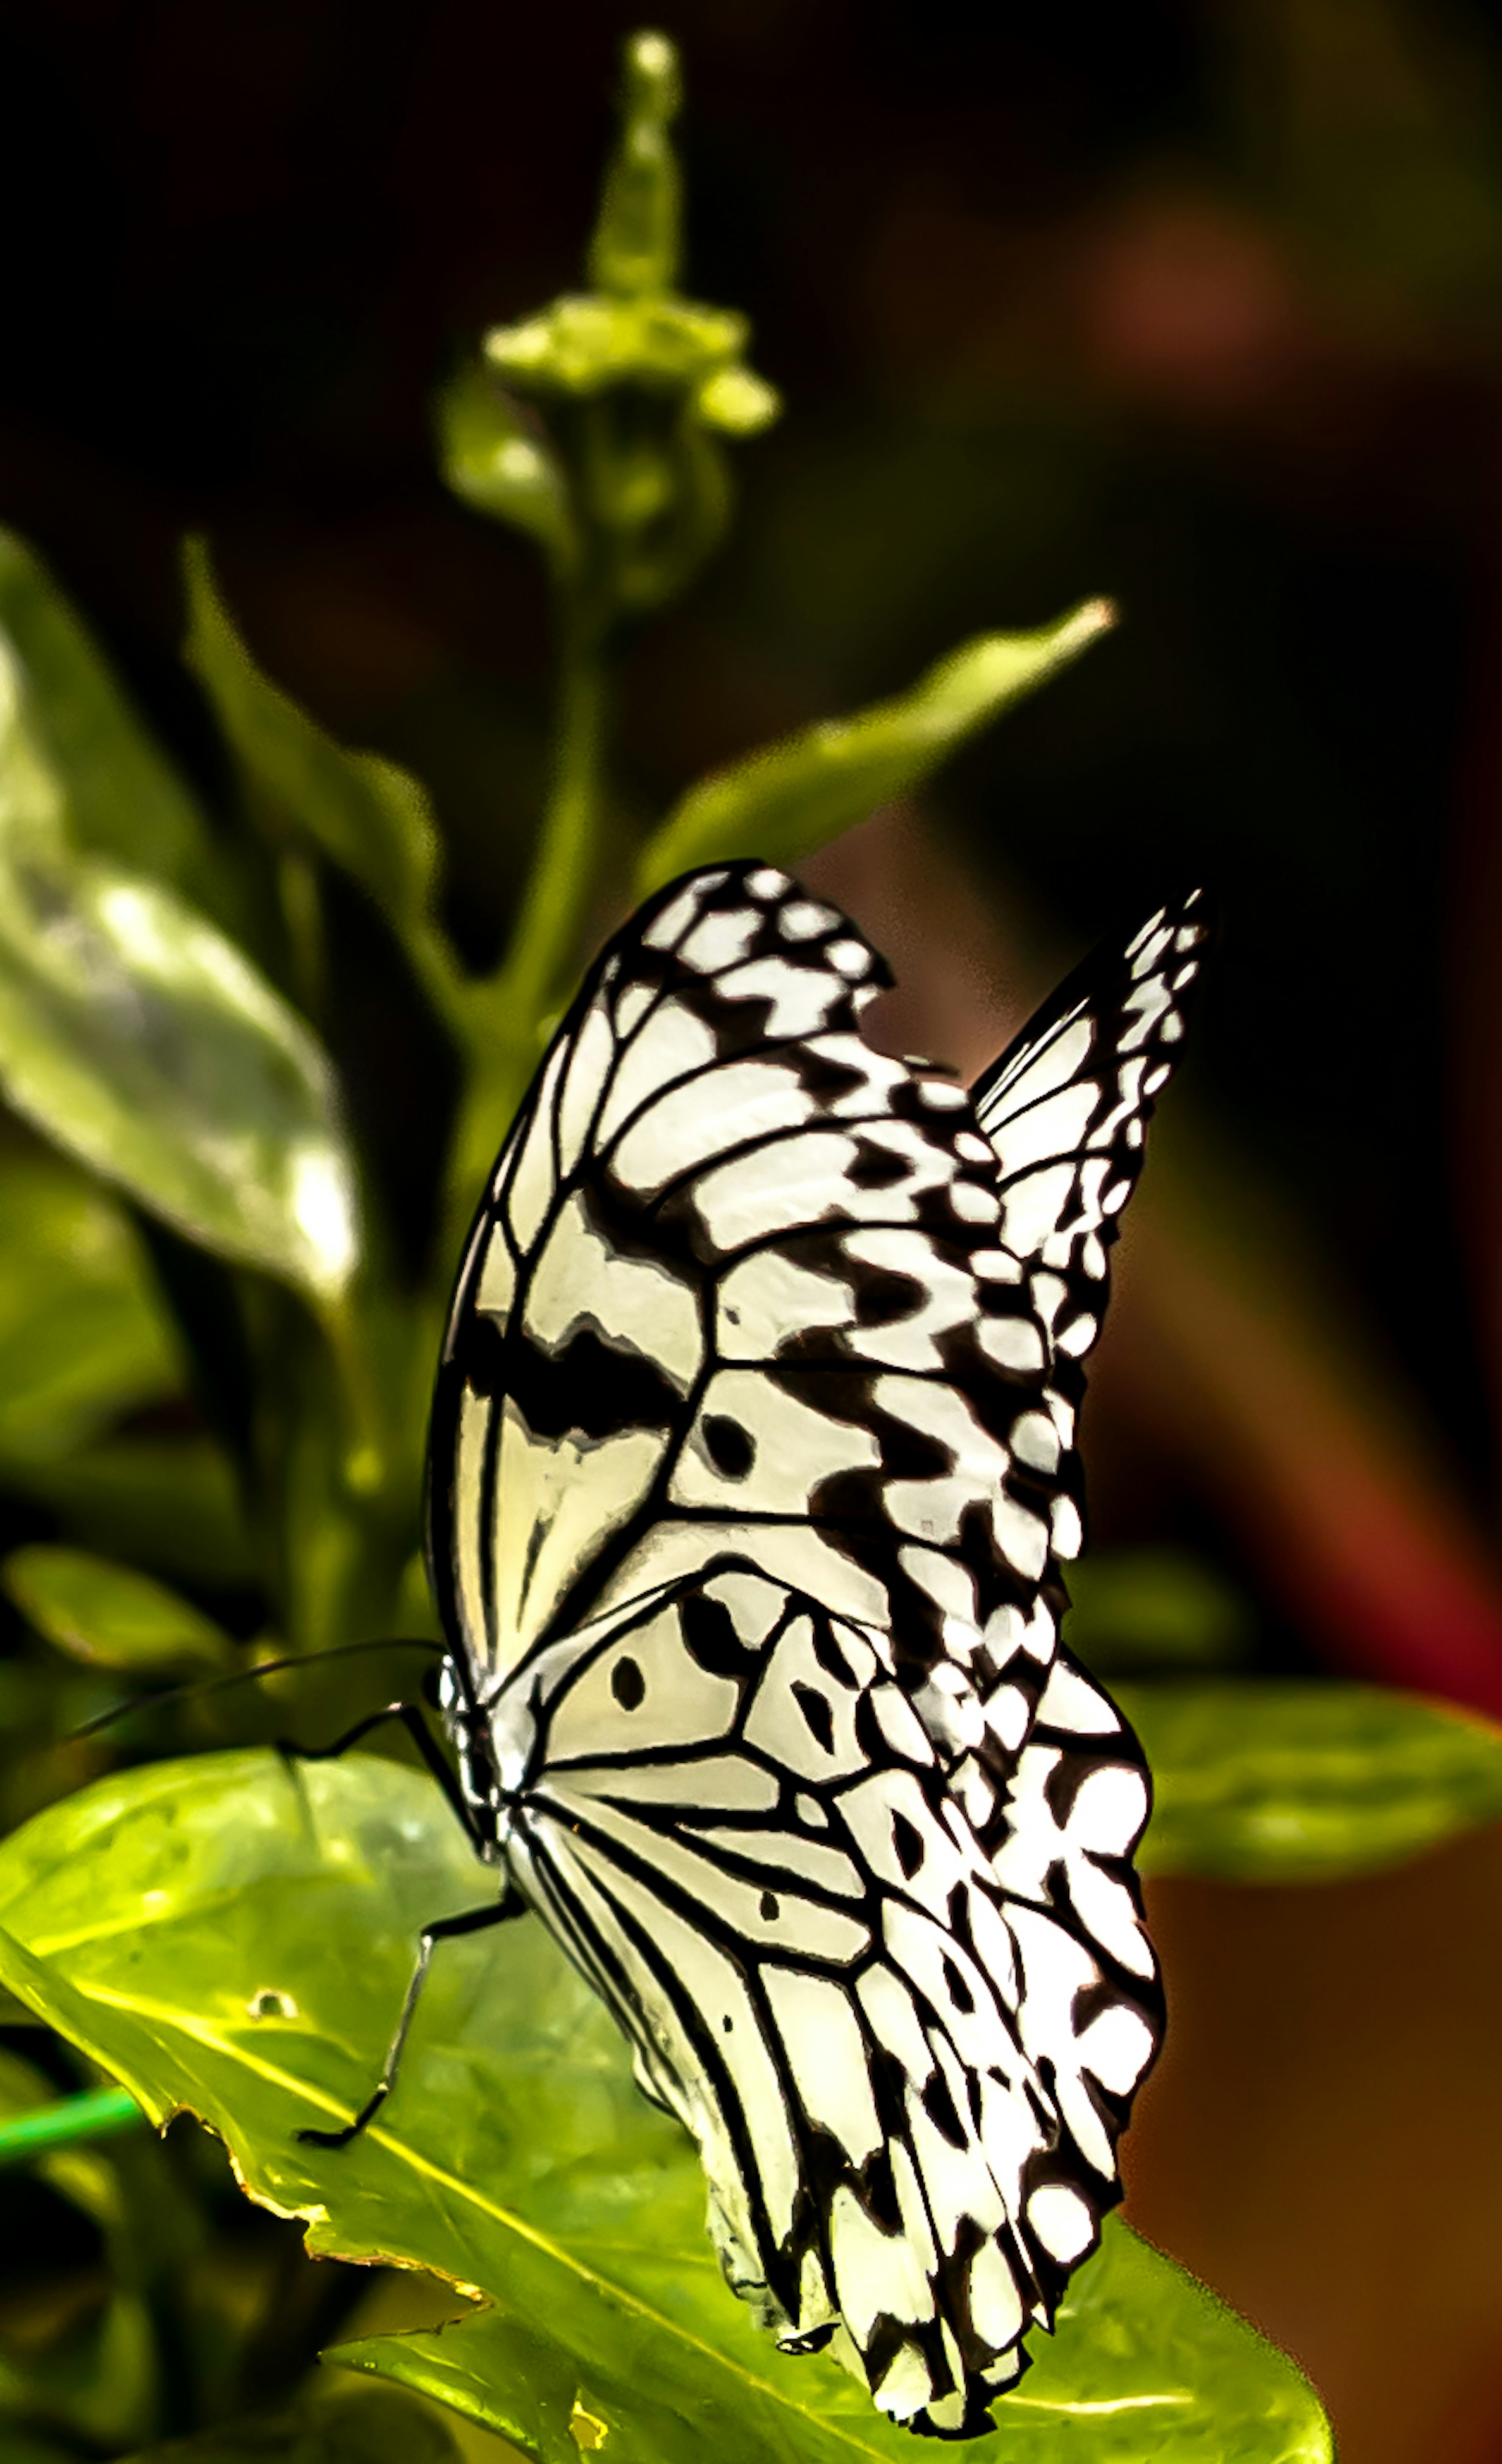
(1200, 306)
(1196, 306)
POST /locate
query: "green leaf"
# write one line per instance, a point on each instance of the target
(1262, 1781)
(75, 762)
(789, 799)
(491, 460)
(369, 815)
(169, 1502)
(82, 1336)
(258, 1985)
(367, 2428)
(1155, 1608)
(111, 1616)
(142, 1041)
(96, 2374)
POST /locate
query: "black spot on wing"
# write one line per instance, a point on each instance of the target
(828, 1655)
(818, 1717)
(730, 1447)
(627, 1686)
(710, 1632)
(885, 1298)
(939, 2106)
(907, 1841)
(875, 1167)
(588, 1389)
(959, 1992)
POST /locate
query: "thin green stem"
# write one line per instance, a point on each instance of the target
(558, 893)
(97, 2114)
(511, 1009)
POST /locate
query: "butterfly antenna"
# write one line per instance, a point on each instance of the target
(253, 1676)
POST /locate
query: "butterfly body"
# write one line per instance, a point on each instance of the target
(752, 1472)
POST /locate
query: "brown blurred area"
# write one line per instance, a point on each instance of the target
(1197, 306)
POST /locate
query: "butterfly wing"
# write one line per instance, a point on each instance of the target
(736, 1300)
(1067, 1107)
(737, 1287)
(741, 1833)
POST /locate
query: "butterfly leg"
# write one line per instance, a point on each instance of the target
(411, 1717)
(472, 1921)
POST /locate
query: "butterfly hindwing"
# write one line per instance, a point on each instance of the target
(742, 1834)
(1067, 1107)
(753, 1472)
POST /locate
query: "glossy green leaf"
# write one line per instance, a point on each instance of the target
(83, 1338)
(112, 1616)
(170, 1502)
(140, 1039)
(373, 2427)
(369, 815)
(789, 799)
(1257, 1780)
(75, 762)
(258, 1983)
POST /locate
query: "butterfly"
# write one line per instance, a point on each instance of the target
(752, 1473)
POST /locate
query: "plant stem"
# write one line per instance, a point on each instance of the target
(96, 2115)
(562, 875)
(510, 1010)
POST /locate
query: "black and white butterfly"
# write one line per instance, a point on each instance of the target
(752, 1470)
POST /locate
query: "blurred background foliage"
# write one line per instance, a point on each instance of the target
(1201, 309)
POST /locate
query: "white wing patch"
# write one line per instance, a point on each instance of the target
(752, 1469)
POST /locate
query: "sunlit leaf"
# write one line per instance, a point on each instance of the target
(75, 762)
(364, 812)
(1265, 1781)
(111, 1616)
(258, 1985)
(374, 2427)
(138, 1038)
(169, 1502)
(83, 1338)
(789, 799)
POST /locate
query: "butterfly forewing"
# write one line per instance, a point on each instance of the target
(752, 1468)
(738, 1286)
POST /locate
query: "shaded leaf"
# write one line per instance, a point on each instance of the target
(76, 765)
(1261, 1781)
(111, 1616)
(498, 464)
(169, 1502)
(138, 1038)
(516, 2155)
(1152, 1608)
(99, 2380)
(82, 1336)
(366, 813)
(370, 2428)
(103, 2357)
(789, 799)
